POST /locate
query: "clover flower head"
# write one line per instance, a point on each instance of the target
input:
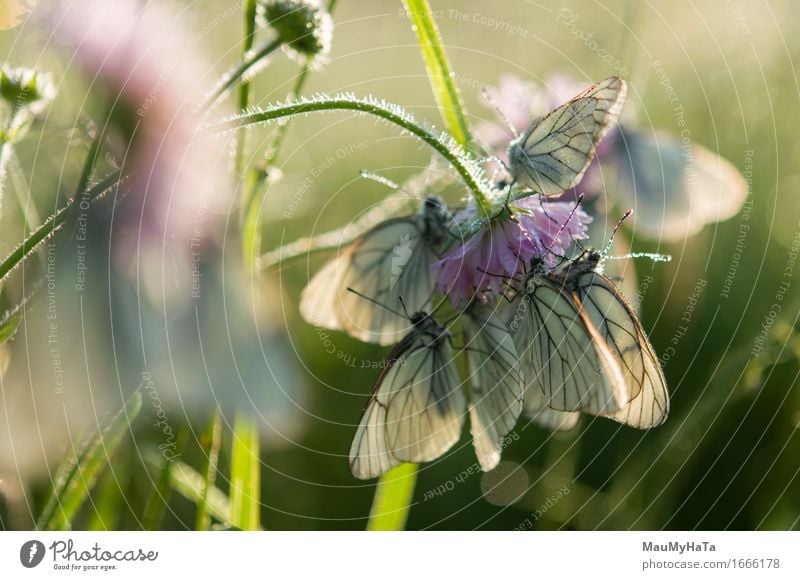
(483, 264)
(304, 26)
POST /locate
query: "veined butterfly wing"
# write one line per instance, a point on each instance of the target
(537, 410)
(496, 383)
(564, 356)
(389, 262)
(554, 153)
(622, 332)
(417, 407)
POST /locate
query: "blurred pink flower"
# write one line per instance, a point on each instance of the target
(149, 69)
(504, 248)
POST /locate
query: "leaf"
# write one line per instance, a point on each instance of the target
(245, 474)
(191, 485)
(211, 447)
(441, 77)
(108, 499)
(76, 477)
(9, 324)
(393, 497)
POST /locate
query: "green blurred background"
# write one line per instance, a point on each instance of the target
(729, 455)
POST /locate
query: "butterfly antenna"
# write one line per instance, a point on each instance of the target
(359, 294)
(560, 231)
(505, 277)
(652, 256)
(509, 125)
(625, 216)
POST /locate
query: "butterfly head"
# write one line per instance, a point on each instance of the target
(593, 258)
(436, 217)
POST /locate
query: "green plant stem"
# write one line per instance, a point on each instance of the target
(396, 487)
(229, 80)
(393, 498)
(440, 76)
(52, 224)
(458, 158)
(212, 437)
(245, 494)
(280, 134)
(256, 179)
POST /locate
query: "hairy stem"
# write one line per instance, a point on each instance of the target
(461, 160)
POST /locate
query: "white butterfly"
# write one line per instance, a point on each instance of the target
(674, 191)
(391, 260)
(554, 153)
(585, 350)
(568, 366)
(417, 408)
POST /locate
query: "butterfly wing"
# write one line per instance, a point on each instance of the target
(553, 155)
(391, 261)
(496, 383)
(620, 329)
(674, 193)
(416, 411)
(536, 408)
(566, 357)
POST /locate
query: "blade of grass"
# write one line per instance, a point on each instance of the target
(108, 499)
(157, 501)
(439, 73)
(77, 475)
(245, 495)
(191, 485)
(211, 445)
(393, 499)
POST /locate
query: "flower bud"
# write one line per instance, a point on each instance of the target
(25, 88)
(304, 26)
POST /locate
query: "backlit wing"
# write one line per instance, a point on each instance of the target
(416, 411)
(536, 408)
(496, 383)
(390, 262)
(620, 329)
(566, 357)
(674, 192)
(553, 154)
